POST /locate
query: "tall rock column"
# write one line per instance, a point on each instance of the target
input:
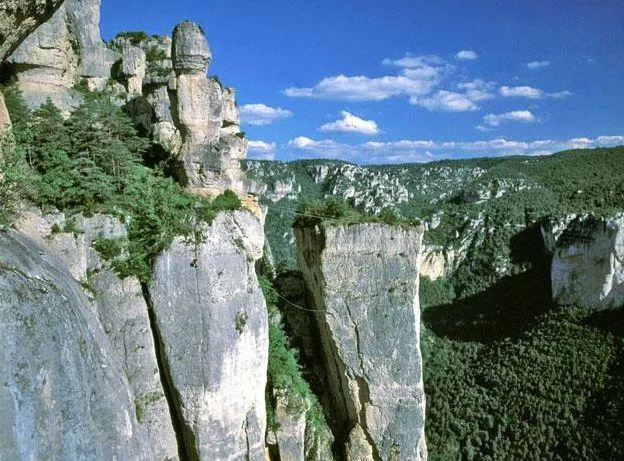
(210, 155)
(212, 323)
(363, 280)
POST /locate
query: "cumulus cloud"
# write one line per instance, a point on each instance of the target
(537, 64)
(477, 90)
(352, 124)
(427, 150)
(448, 101)
(530, 92)
(262, 150)
(467, 55)
(520, 92)
(418, 75)
(523, 116)
(261, 114)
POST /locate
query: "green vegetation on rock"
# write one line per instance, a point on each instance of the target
(284, 371)
(92, 163)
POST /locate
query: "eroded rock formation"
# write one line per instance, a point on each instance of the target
(364, 281)
(161, 82)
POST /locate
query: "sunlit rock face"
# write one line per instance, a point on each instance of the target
(588, 263)
(65, 393)
(211, 317)
(363, 280)
(62, 52)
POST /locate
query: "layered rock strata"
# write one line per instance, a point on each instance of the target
(363, 280)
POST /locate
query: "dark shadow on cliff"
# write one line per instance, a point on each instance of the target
(506, 309)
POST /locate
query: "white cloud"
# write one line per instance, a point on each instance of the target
(261, 114)
(448, 101)
(537, 64)
(467, 55)
(262, 150)
(520, 92)
(427, 150)
(559, 94)
(523, 116)
(477, 90)
(353, 124)
(530, 92)
(418, 76)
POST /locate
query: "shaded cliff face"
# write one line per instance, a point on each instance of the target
(588, 263)
(364, 281)
(63, 389)
(211, 318)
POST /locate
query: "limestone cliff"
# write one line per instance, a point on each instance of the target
(212, 324)
(18, 18)
(588, 263)
(363, 280)
(116, 370)
(61, 52)
(121, 309)
(63, 389)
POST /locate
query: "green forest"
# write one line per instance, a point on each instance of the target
(507, 374)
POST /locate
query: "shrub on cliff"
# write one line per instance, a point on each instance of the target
(337, 210)
(91, 163)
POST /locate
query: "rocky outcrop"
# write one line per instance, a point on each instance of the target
(588, 263)
(436, 261)
(206, 116)
(64, 392)
(18, 18)
(162, 83)
(121, 309)
(133, 67)
(211, 318)
(364, 281)
(60, 53)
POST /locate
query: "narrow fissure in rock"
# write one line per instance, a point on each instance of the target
(185, 438)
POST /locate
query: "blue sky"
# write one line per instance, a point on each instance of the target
(402, 81)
